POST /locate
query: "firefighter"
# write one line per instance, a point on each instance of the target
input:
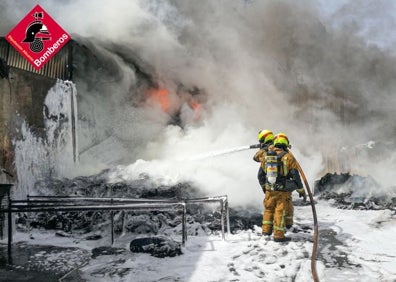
(266, 139)
(282, 178)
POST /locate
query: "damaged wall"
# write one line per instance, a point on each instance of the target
(22, 94)
(21, 98)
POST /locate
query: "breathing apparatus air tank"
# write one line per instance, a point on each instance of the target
(271, 167)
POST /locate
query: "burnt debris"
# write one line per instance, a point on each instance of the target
(348, 191)
(201, 218)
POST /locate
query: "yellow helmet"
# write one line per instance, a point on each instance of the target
(265, 136)
(281, 139)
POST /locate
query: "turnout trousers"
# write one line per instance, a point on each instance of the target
(277, 205)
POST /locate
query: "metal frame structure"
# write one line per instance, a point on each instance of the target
(5, 197)
(77, 203)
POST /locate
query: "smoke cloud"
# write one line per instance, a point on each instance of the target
(322, 74)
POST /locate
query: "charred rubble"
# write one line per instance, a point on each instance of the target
(346, 191)
(339, 189)
(342, 190)
(202, 218)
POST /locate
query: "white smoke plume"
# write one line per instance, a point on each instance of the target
(299, 67)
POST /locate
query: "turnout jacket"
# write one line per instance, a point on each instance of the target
(289, 168)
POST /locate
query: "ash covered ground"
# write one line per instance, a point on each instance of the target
(75, 246)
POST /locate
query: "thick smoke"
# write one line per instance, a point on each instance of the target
(324, 80)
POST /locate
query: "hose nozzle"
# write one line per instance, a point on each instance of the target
(255, 146)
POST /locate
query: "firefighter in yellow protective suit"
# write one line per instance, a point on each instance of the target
(282, 178)
(266, 139)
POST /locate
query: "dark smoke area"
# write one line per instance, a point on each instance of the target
(323, 73)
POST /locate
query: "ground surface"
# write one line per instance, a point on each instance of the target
(349, 250)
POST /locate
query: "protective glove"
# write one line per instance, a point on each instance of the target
(301, 193)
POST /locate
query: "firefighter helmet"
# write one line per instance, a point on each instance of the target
(280, 140)
(265, 136)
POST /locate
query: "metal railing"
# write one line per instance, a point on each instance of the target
(77, 203)
(5, 198)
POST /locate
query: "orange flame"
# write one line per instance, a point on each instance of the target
(197, 107)
(161, 97)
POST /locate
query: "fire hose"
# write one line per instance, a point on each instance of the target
(316, 229)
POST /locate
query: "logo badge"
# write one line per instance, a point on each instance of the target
(37, 37)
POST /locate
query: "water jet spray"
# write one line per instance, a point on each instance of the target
(223, 152)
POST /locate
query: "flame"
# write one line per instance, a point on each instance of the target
(171, 104)
(160, 97)
(197, 107)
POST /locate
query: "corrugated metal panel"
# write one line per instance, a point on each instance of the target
(58, 67)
